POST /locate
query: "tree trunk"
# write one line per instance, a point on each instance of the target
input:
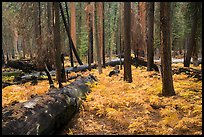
(3, 58)
(57, 45)
(142, 22)
(101, 31)
(70, 49)
(96, 43)
(71, 44)
(90, 33)
(39, 61)
(50, 53)
(150, 35)
(195, 49)
(73, 23)
(121, 35)
(166, 71)
(79, 27)
(192, 41)
(109, 32)
(127, 47)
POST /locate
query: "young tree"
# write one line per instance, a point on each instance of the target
(150, 35)
(127, 47)
(166, 71)
(57, 45)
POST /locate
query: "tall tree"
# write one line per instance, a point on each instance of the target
(37, 28)
(191, 45)
(96, 40)
(88, 11)
(101, 31)
(73, 22)
(121, 47)
(166, 71)
(70, 49)
(49, 61)
(71, 44)
(79, 24)
(127, 47)
(150, 35)
(57, 45)
(142, 22)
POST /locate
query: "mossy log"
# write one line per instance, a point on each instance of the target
(46, 113)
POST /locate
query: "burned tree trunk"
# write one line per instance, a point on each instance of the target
(22, 65)
(46, 113)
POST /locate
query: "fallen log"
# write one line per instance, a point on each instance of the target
(5, 84)
(46, 113)
(114, 62)
(189, 71)
(21, 79)
(79, 68)
(141, 62)
(21, 65)
(135, 61)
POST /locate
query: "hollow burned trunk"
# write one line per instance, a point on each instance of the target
(46, 113)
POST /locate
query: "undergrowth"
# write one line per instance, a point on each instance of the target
(117, 107)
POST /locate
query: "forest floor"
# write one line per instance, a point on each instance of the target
(116, 107)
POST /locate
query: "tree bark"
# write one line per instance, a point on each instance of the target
(46, 113)
(69, 36)
(195, 49)
(73, 22)
(192, 41)
(101, 31)
(57, 45)
(70, 49)
(127, 47)
(150, 35)
(90, 33)
(50, 53)
(97, 38)
(166, 71)
(79, 27)
(142, 22)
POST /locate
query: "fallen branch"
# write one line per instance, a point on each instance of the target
(189, 71)
(46, 113)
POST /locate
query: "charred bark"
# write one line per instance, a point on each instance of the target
(46, 113)
(22, 65)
